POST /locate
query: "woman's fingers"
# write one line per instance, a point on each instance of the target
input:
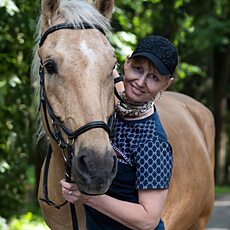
(71, 193)
(69, 190)
(69, 186)
(65, 184)
(66, 191)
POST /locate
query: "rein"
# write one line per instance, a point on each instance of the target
(116, 80)
(57, 124)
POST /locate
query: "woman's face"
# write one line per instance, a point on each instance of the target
(142, 81)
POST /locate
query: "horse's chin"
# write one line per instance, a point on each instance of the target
(94, 172)
(97, 186)
(93, 192)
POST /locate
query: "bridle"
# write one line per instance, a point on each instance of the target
(57, 125)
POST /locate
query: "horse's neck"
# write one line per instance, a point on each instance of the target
(54, 173)
(57, 166)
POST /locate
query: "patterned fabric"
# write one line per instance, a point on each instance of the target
(144, 162)
(128, 109)
(145, 144)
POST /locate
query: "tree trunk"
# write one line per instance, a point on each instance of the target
(220, 83)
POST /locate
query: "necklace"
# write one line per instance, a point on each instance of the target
(133, 109)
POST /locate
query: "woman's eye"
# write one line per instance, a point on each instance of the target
(153, 77)
(138, 69)
(50, 67)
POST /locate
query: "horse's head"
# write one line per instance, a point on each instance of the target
(77, 62)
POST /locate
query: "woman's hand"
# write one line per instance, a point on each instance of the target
(71, 193)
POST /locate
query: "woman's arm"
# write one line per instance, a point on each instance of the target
(142, 216)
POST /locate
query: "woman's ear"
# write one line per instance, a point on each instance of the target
(167, 83)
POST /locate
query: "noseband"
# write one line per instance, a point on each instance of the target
(57, 124)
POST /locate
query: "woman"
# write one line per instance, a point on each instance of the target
(136, 198)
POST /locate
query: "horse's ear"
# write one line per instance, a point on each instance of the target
(105, 7)
(49, 8)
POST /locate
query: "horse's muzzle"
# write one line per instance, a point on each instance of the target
(94, 171)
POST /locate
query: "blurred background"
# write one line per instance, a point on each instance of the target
(199, 29)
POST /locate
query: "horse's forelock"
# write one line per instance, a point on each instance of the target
(77, 12)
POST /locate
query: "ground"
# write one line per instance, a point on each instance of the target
(220, 219)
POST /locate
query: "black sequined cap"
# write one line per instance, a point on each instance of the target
(160, 51)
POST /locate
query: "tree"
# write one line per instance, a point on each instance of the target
(16, 142)
(200, 30)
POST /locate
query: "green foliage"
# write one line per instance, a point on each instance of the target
(222, 190)
(124, 42)
(195, 27)
(3, 224)
(16, 142)
(201, 33)
(27, 221)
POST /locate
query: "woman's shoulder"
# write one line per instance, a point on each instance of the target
(159, 129)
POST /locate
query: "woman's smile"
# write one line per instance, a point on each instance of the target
(136, 90)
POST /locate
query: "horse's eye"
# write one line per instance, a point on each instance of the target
(50, 67)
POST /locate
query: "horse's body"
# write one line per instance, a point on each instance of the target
(190, 129)
(79, 89)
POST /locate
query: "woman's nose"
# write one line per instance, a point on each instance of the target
(141, 80)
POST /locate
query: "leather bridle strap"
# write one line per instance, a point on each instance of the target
(117, 80)
(45, 182)
(45, 191)
(47, 110)
(79, 131)
(62, 26)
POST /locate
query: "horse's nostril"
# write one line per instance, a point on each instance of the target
(83, 169)
(82, 163)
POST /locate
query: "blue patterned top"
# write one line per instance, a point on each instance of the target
(144, 162)
(143, 144)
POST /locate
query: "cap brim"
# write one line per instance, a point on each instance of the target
(162, 69)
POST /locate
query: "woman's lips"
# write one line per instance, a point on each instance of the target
(136, 90)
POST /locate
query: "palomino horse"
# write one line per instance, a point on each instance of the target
(75, 62)
(77, 94)
(190, 129)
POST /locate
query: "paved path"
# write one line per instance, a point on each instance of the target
(220, 219)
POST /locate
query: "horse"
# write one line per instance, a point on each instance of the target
(75, 62)
(190, 129)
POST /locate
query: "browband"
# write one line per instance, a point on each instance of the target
(61, 26)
